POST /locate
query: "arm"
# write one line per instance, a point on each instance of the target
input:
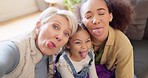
(124, 63)
(92, 69)
(65, 71)
(9, 57)
(63, 68)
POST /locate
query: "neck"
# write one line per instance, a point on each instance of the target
(96, 42)
(97, 45)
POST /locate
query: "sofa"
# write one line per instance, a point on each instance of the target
(137, 32)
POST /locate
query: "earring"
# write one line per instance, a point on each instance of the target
(37, 31)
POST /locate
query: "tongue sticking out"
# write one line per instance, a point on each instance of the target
(83, 54)
(98, 31)
(50, 45)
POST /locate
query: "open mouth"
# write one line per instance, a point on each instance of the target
(83, 54)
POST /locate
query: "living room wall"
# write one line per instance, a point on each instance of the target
(13, 8)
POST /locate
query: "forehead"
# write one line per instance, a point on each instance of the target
(61, 20)
(91, 5)
(81, 34)
(58, 17)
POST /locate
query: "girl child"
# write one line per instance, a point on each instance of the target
(77, 59)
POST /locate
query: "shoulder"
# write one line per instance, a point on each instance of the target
(122, 39)
(117, 37)
(62, 60)
(119, 42)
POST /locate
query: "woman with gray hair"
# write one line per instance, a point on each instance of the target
(29, 55)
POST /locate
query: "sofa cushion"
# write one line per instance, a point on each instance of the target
(136, 30)
(140, 57)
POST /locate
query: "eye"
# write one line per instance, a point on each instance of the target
(77, 42)
(67, 34)
(55, 26)
(88, 17)
(88, 41)
(101, 13)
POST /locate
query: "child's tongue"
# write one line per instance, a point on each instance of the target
(83, 54)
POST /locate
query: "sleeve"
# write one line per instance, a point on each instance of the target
(9, 57)
(64, 68)
(124, 63)
(92, 69)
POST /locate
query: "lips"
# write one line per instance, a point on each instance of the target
(98, 31)
(50, 45)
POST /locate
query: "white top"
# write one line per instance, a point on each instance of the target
(65, 70)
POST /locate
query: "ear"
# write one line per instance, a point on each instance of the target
(67, 45)
(38, 25)
(111, 17)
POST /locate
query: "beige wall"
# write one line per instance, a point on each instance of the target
(14, 8)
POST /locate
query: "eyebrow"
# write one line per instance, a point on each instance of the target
(81, 40)
(57, 21)
(100, 9)
(97, 10)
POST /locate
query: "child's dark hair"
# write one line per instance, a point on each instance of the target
(122, 11)
(81, 26)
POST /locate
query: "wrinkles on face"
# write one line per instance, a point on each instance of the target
(54, 34)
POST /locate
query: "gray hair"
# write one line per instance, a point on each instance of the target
(46, 14)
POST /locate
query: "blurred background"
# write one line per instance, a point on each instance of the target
(20, 16)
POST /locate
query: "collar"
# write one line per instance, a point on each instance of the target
(35, 53)
(111, 36)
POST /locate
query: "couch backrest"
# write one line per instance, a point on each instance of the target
(136, 30)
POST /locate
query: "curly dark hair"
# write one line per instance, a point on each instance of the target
(122, 11)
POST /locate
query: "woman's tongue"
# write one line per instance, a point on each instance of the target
(97, 31)
(83, 54)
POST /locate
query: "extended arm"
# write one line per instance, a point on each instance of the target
(9, 57)
(92, 72)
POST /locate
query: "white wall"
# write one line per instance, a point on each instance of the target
(13, 8)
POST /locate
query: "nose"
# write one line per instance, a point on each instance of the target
(58, 37)
(84, 47)
(95, 20)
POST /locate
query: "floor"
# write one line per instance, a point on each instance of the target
(18, 25)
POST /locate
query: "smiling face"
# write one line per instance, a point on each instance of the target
(53, 34)
(96, 17)
(79, 44)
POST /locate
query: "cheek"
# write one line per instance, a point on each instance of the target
(87, 23)
(89, 45)
(63, 42)
(75, 48)
(45, 34)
